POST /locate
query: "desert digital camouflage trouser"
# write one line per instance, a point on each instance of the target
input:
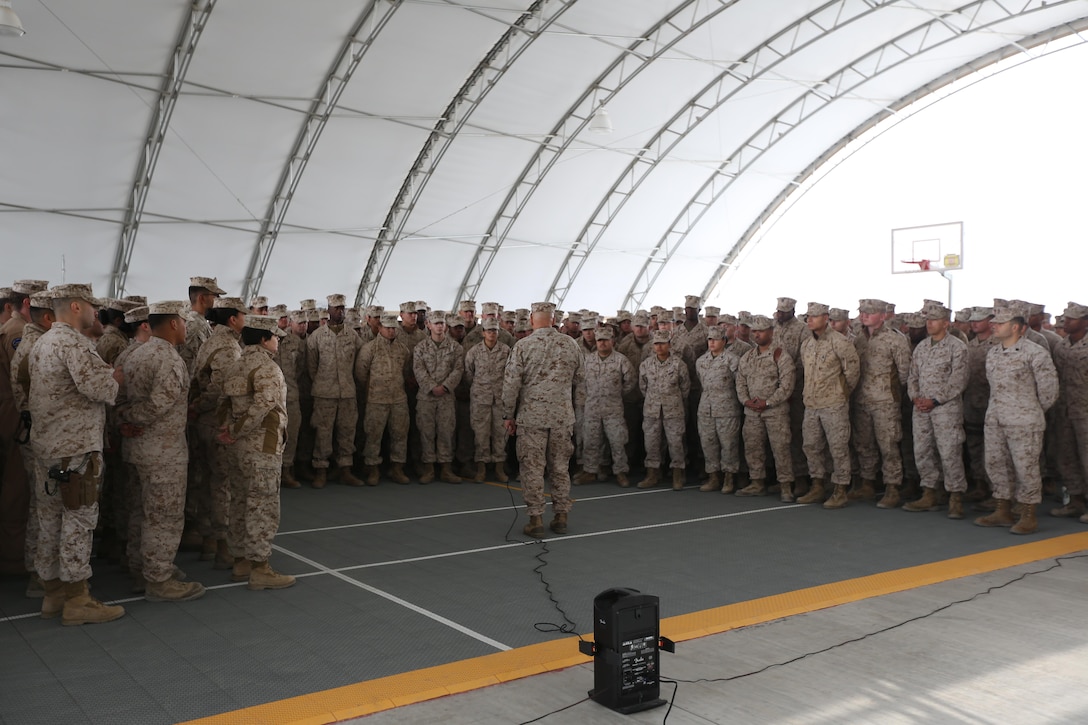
(596, 432)
(214, 493)
(376, 418)
(437, 420)
(759, 430)
(674, 433)
(1071, 443)
(540, 448)
(255, 505)
(294, 425)
(489, 431)
(1012, 460)
(938, 448)
(158, 517)
(341, 414)
(64, 535)
(877, 432)
(721, 443)
(828, 429)
(30, 465)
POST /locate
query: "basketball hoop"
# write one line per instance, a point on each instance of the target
(923, 264)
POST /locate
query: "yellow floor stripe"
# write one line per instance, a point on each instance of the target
(365, 698)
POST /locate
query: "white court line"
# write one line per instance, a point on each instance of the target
(457, 513)
(397, 600)
(569, 537)
(338, 572)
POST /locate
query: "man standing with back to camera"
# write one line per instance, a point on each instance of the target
(543, 382)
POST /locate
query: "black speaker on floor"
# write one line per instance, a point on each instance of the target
(626, 650)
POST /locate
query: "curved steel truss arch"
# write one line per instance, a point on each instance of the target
(488, 72)
(370, 24)
(662, 37)
(758, 62)
(173, 81)
(1034, 41)
(923, 38)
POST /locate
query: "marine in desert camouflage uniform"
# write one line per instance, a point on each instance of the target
(543, 382)
(70, 386)
(1023, 386)
(255, 425)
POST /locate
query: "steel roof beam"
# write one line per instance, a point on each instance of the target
(921, 39)
(635, 58)
(757, 63)
(498, 60)
(188, 37)
(360, 39)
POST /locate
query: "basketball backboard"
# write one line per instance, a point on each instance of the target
(932, 248)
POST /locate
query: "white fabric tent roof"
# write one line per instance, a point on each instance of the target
(407, 149)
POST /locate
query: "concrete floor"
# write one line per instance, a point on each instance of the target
(1015, 655)
(409, 592)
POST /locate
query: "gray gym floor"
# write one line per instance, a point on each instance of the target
(396, 579)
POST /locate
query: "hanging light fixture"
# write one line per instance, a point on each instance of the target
(9, 21)
(600, 122)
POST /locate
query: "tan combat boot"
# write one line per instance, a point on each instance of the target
(756, 487)
(224, 560)
(865, 492)
(928, 502)
(396, 473)
(370, 475)
(891, 499)
(241, 569)
(559, 523)
(583, 477)
(207, 548)
(955, 506)
(786, 492)
(447, 474)
(838, 498)
(172, 590)
(677, 479)
(622, 480)
(534, 528)
(53, 601)
(713, 483)
(1002, 515)
(81, 608)
(653, 477)
(1027, 523)
(1076, 507)
(500, 472)
(815, 492)
(729, 482)
(426, 472)
(348, 478)
(320, 477)
(262, 576)
(287, 478)
(481, 472)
